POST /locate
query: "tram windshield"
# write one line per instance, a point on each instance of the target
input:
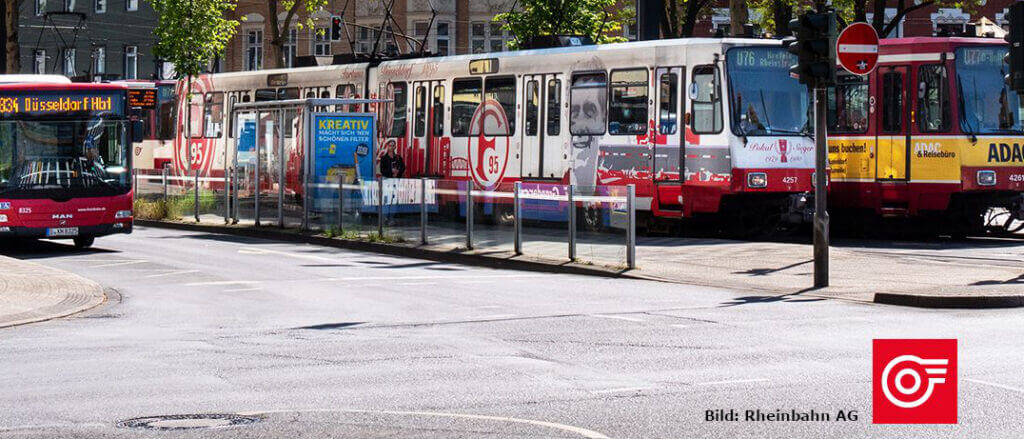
(987, 105)
(764, 99)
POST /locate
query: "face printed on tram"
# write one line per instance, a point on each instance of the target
(587, 119)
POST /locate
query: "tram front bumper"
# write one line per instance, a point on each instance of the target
(801, 209)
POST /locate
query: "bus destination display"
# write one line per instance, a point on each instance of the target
(60, 103)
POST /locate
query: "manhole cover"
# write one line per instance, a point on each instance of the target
(188, 422)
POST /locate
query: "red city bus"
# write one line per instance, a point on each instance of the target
(65, 170)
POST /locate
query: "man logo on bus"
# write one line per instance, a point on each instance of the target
(488, 157)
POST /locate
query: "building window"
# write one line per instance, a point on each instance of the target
(69, 5)
(420, 28)
(131, 5)
(39, 62)
(478, 33)
(69, 62)
(486, 37)
(321, 41)
(131, 62)
(443, 42)
(497, 37)
(99, 60)
(290, 46)
(100, 6)
(630, 30)
(890, 14)
(254, 50)
(365, 41)
(389, 41)
(949, 21)
(40, 7)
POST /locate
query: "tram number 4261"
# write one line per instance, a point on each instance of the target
(1017, 178)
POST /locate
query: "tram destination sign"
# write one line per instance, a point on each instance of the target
(56, 103)
(143, 99)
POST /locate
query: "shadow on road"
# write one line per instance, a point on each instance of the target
(42, 249)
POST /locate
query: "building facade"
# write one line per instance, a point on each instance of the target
(88, 39)
(455, 27)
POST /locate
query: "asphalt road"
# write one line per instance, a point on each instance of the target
(325, 343)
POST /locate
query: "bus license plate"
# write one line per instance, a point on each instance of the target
(62, 231)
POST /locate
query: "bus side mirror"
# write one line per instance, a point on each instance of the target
(138, 131)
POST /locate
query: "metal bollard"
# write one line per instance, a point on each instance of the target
(227, 195)
(196, 198)
(631, 226)
(341, 203)
(423, 211)
(517, 214)
(572, 223)
(380, 207)
(163, 178)
(469, 214)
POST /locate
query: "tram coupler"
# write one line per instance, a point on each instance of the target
(1017, 208)
(801, 209)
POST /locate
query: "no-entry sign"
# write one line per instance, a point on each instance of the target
(857, 48)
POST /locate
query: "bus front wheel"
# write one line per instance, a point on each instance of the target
(84, 241)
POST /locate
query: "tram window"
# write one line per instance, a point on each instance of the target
(195, 115)
(310, 93)
(287, 93)
(399, 93)
(438, 110)
(532, 108)
(466, 94)
(933, 98)
(266, 94)
(554, 110)
(345, 91)
(588, 99)
(420, 127)
(627, 108)
(848, 107)
(892, 102)
(325, 94)
(213, 115)
(503, 90)
(167, 111)
(667, 98)
(706, 101)
(245, 97)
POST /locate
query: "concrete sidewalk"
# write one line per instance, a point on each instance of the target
(30, 292)
(941, 274)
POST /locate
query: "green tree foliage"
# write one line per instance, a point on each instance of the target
(279, 27)
(593, 18)
(190, 33)
(775, 14)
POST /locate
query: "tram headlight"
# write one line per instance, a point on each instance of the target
(986, 178)
(122, 214)
(757, 180)
(3, 218)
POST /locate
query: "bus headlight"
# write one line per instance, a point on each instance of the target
(986, 178)
(122, 214)
(757, 180)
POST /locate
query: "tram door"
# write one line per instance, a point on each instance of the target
(541, 154)
(428, 123)
(893, 159)
(668, 141)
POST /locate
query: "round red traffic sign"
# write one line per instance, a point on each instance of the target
(857, 48)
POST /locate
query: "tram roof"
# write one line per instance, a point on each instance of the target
(933, 44)
(78, 86)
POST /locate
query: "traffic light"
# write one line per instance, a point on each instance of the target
(814, 44)
(1015, 55)
(336, 24)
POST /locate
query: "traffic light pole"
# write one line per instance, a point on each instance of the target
(820, 192)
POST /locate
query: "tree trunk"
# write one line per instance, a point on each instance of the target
(12, 62)
(860, 11)
(693, 8)
(782, 13)
(878, 21)
(738, 16)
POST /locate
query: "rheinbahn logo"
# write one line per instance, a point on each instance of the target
(488, 144)
(915, 381)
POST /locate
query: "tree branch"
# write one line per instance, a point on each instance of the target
(903, 13)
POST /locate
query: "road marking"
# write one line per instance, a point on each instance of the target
(988, 383)
(118, 264)
(399, 278)
(715, 383)
(621, 390)
(224, 282)
(493, 316)
(171, 273)
(606, 316)
(239, 290)
(590, 434)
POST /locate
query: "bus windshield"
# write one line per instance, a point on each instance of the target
(64, 159)
(987, 105)
(764, 99)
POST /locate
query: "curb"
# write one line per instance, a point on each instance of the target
(950, 302)
(88, 296)
(453, 256)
